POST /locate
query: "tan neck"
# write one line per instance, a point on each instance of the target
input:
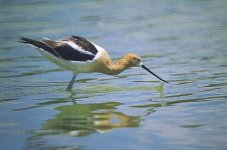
(118, 66)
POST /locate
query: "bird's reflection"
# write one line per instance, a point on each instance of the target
(85, 119)
(77, 119)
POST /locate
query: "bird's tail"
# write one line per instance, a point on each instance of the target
(38, 44)
(35, 43)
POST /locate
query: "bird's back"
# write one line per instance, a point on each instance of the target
(75, 53)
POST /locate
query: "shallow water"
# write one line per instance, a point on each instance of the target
(184, 42)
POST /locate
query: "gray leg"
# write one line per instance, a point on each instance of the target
(69, 88)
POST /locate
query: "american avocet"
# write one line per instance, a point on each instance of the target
(82, 56)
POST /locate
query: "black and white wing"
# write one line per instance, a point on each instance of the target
(75, 48)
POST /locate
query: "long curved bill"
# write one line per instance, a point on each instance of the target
(153, 73)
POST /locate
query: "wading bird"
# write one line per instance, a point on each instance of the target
(79, 55)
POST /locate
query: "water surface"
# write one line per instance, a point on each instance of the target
(182, 41)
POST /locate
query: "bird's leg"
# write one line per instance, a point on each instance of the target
(69, 88)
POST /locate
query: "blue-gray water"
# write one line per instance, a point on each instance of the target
(184, 42)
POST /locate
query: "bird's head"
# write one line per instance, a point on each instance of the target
(135, 61)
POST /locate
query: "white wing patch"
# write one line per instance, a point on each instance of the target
(77, 48)
(100, 51)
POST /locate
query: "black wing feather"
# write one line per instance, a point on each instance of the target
(39, 44)
(84, 44)
(67, 52)
(63, 50)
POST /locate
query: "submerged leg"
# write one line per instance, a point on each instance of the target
(69, 88)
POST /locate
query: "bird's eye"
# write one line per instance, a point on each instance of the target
(138, 59)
